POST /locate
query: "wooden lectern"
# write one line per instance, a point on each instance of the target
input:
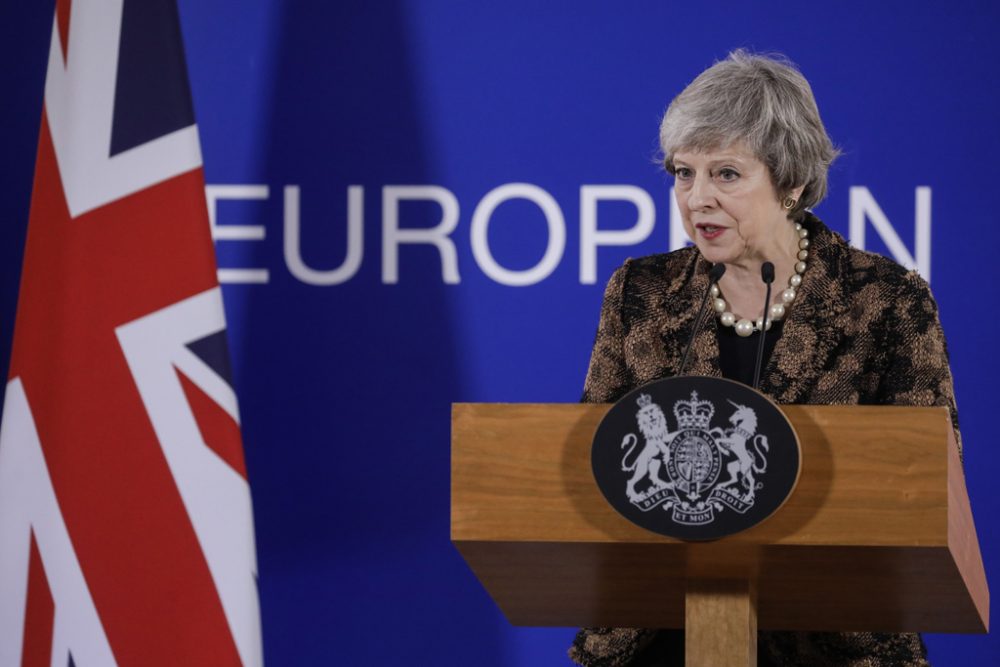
(877, 536)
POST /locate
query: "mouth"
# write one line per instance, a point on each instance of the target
(708, 230)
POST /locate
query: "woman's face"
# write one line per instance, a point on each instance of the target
(730, 208)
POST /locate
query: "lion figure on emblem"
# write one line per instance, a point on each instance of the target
(654, 454)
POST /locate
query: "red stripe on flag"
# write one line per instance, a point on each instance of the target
(220, 432)
(39, 614)
(82, 278)
(62, 20)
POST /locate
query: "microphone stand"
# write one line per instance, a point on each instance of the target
(714, 274)
(767, 275)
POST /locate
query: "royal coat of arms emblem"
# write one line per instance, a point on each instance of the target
(713, 457)
(697, 469)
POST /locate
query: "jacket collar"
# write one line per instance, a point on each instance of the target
(809, 336)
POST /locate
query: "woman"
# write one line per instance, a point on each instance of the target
(750, 156)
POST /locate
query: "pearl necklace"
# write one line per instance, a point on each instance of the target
(745, 327)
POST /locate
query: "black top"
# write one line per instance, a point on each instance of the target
(738, 356)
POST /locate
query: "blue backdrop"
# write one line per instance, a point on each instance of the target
(348, 354)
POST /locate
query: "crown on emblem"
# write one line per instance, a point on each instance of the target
(644, 400)
(694, 413)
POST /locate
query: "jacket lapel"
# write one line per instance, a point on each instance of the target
(685, 293)
(811, 334)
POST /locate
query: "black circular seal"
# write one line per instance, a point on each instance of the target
(695, 458)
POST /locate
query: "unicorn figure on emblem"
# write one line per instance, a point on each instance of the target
(734, 441)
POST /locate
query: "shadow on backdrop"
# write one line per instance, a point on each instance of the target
(345, 389)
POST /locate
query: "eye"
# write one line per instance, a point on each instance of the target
(728, 174)
(683, 173)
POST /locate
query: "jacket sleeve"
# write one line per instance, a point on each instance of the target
(844, 649)
(609, 647)
(608, 377)
(917, 372)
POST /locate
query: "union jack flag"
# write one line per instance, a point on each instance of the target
(126, 530)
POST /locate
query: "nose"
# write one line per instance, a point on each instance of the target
(701, 196)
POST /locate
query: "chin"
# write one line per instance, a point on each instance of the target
(714, 254)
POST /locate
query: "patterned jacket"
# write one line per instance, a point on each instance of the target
(862, 330)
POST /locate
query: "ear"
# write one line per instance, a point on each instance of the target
(796, 193)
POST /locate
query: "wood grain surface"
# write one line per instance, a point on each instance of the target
(878, 534)
(720, 624)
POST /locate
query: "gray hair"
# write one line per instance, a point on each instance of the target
(764, 102)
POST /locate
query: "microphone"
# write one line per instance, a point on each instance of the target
(714, 274)
(767, 275)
